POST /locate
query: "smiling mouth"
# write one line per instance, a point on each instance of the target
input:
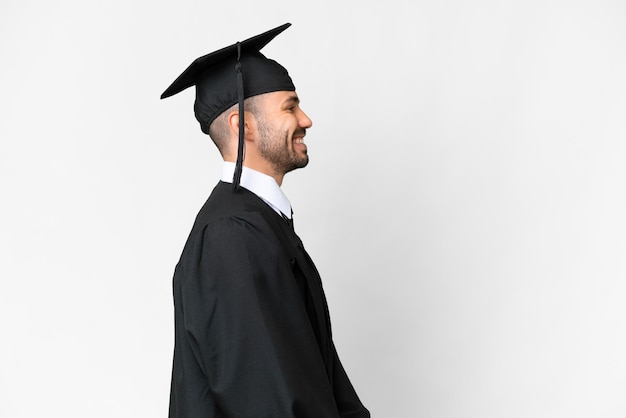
(299, 140)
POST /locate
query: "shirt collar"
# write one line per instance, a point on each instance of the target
(260, 184)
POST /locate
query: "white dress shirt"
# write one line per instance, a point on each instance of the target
(262, 185)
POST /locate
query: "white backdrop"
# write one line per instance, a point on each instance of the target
(464, 202)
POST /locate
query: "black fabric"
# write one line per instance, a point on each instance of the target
(252, 329)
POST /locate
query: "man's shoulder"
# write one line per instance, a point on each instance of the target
(225, 205)
(239, 219)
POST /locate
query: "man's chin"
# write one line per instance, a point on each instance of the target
(300, 163)
(304, 161)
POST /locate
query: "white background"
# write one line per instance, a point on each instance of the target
(464, 203)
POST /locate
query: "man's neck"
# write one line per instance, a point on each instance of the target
(262, 167)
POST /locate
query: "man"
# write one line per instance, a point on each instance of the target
(252, 330)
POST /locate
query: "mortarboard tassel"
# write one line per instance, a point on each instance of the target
(240, 98)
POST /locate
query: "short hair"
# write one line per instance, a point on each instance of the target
(219, 130)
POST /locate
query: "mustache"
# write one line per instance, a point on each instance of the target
(299, 132)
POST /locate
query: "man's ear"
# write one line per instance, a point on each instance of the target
(249, 125)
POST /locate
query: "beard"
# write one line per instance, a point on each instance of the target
(274, 146)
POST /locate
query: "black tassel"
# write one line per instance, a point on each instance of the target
(240, 98)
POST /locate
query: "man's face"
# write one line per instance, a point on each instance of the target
(282, 125)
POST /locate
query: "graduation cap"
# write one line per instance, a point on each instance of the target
(228, 76)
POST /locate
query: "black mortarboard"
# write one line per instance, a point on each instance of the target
(230, 75)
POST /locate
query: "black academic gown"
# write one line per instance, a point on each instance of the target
(252, 331)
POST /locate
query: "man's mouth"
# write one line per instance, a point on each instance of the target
(298, 136)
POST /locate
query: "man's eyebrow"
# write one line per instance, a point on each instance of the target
(292, 99)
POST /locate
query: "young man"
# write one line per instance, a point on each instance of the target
(252, 330)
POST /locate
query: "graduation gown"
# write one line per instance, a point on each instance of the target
(252, 330)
